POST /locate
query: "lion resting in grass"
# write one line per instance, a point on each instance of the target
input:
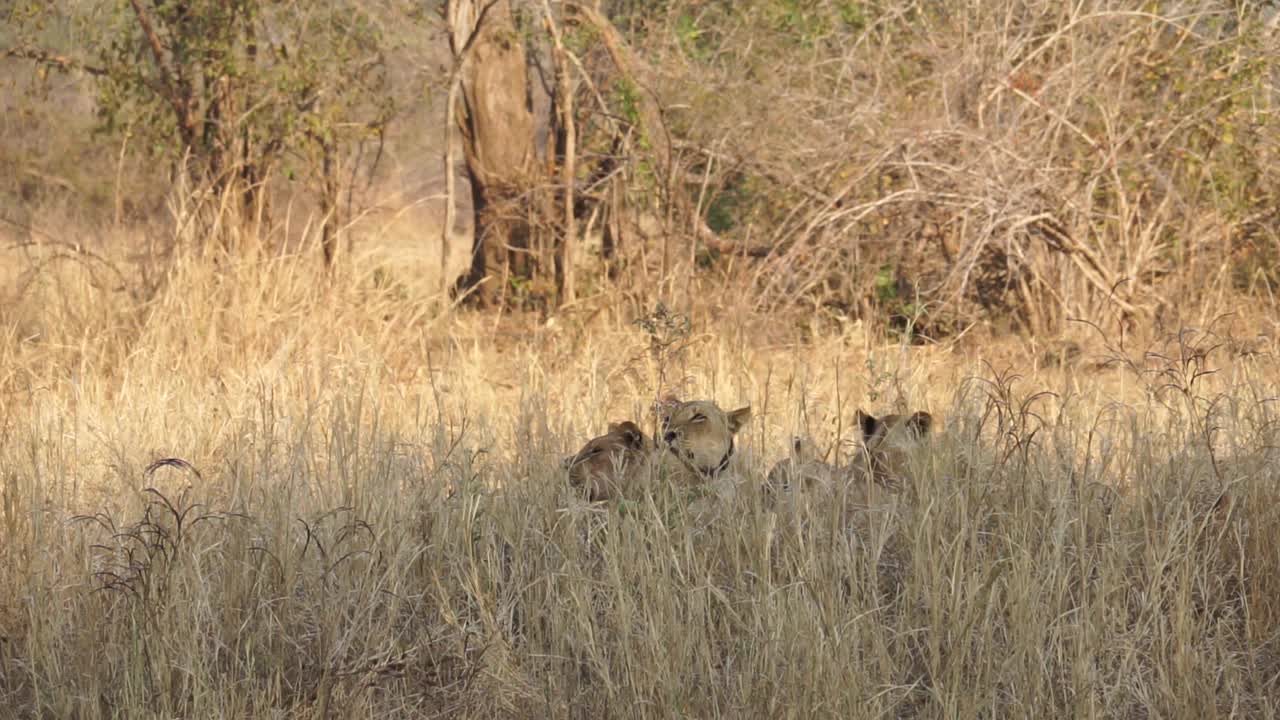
(875, 473)
(605, 464)
(695, 446)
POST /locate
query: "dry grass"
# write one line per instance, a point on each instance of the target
(1028, 161)
(367, 519)
(239, 486)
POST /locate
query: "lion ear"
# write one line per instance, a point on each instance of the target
(739, 418)
(868, 423)
(920, 423)
(632, 435)
(663, 408)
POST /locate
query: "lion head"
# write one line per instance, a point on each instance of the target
(605, 462)
(700, 434)
(887, 441)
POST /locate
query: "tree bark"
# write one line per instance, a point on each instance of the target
(329, 202)
(568, 166)
(498, 130)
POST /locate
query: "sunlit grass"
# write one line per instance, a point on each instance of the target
(365, 517)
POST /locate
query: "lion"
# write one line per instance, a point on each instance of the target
(875, 472)
(886, 443)
(804, 469)
(701, 436)
(696, 446)
(605, 464)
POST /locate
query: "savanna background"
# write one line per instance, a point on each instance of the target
(301, 305)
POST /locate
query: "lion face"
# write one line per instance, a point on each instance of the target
(887, 442)
(701, 434)
(603, 464)
(900, 431)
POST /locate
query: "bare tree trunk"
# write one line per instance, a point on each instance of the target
(568, 167)
(498, 129)
(450, 180)
(329, 202)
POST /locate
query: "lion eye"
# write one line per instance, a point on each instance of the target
(699, 418)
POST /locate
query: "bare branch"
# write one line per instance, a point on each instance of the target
(54, 60)
(167, 75)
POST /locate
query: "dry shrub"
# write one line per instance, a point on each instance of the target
(1019, 163)
(1026, 161)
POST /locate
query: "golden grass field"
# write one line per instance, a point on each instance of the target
(235, 483)
(362, 514)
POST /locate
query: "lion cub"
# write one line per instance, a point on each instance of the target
(603, 465)
(804, 469)
(875, 471)
(886, 443)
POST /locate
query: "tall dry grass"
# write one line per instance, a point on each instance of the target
(244, 492)
(234, 485)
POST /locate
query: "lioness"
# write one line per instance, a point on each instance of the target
(698, 439)
(700, 435)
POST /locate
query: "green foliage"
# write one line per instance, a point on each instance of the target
(694, 40)
(806, 23)
(626, 100)
(886, 284)
(722, 213)
(229, 87)
(580, 38)
(899, 301)
(802, 20)
(853, 14)
(742, 196)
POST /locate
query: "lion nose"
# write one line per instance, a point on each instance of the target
(670, 437)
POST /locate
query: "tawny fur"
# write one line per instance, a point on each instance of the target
(700, 436)
(607, 464)
(871, 477)
(804, 470)
(886, 444)
(695, 445)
